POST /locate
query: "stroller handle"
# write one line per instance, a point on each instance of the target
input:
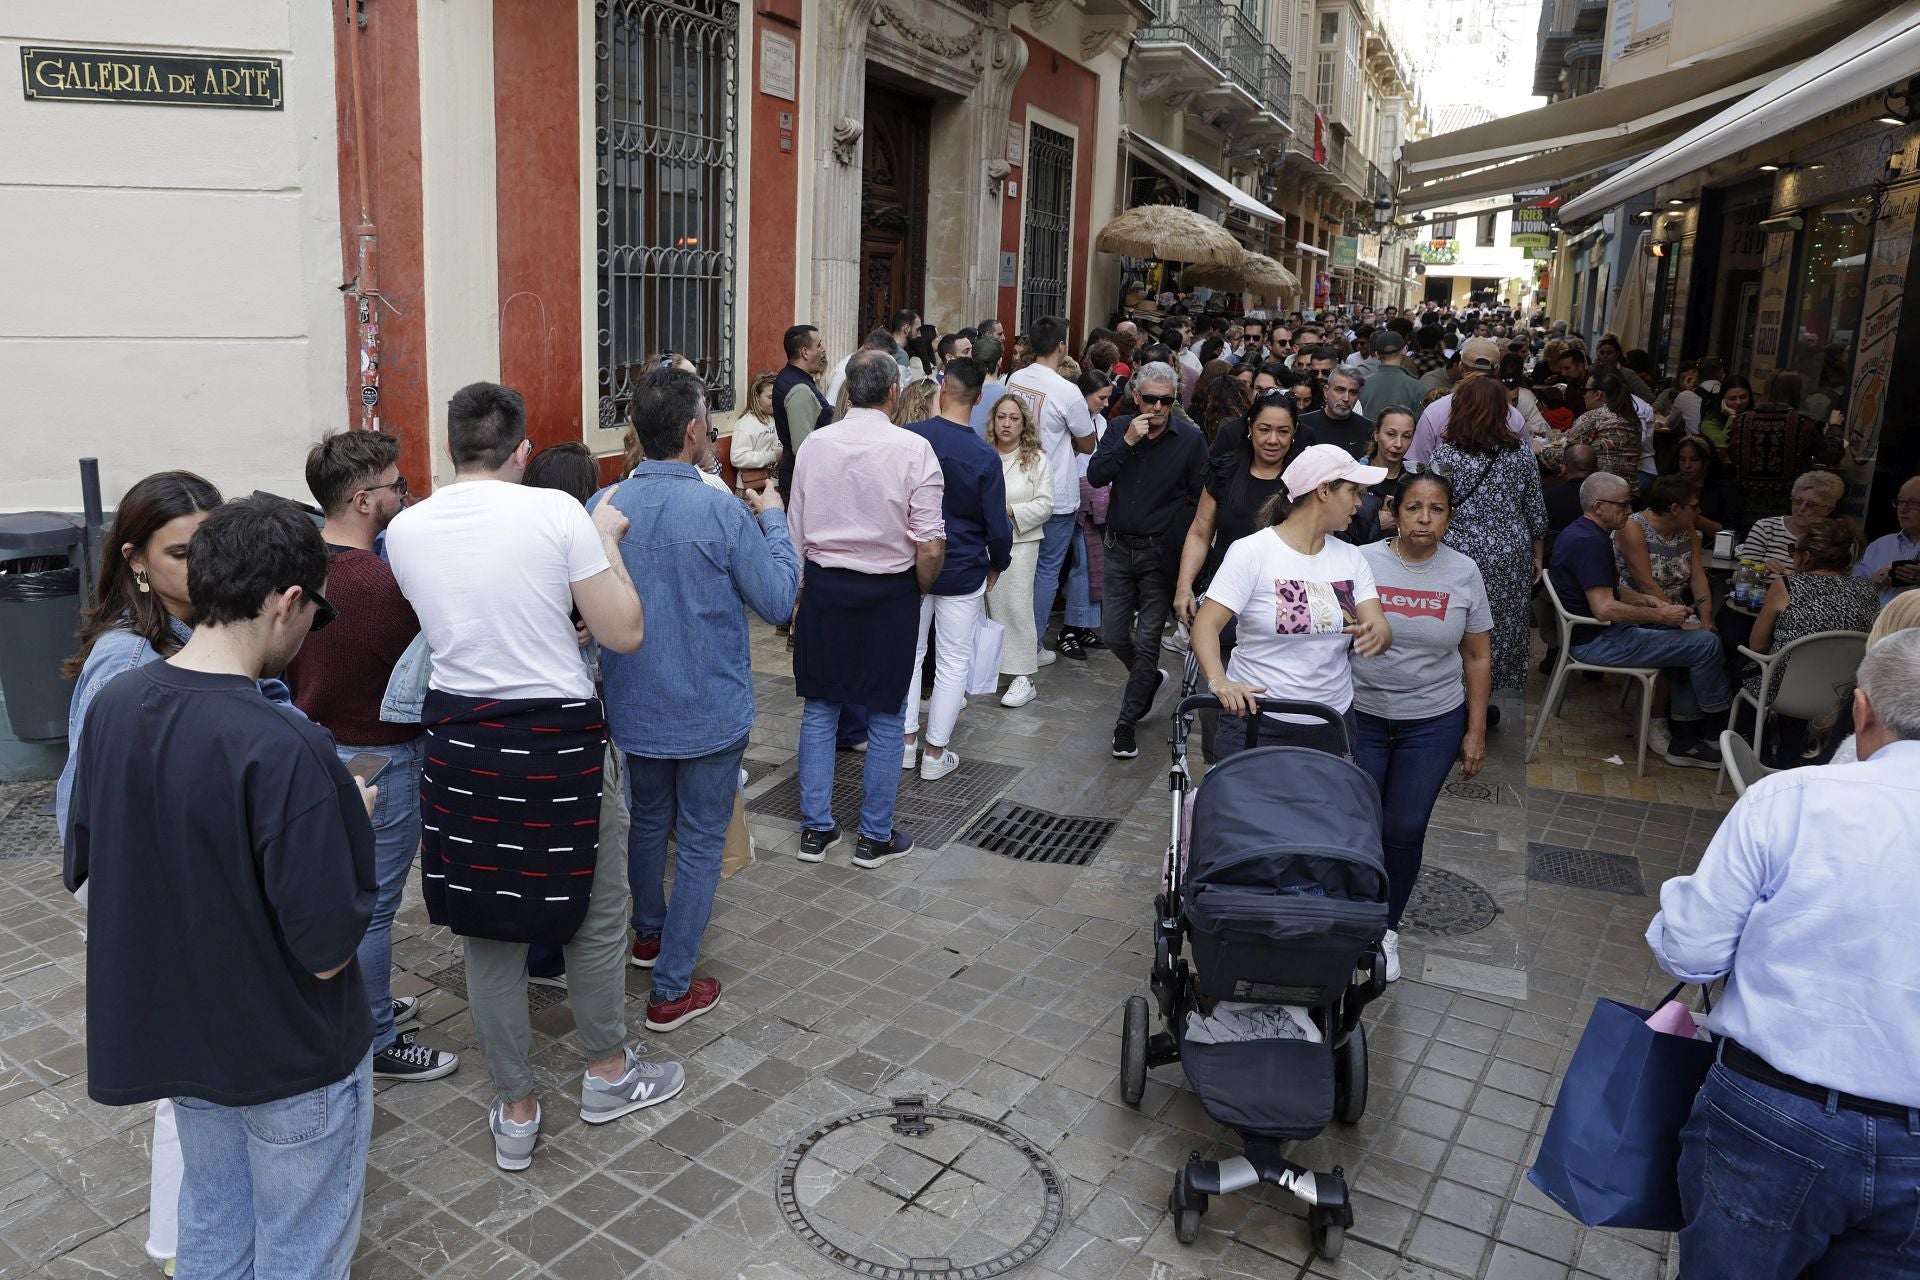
(1283, 706)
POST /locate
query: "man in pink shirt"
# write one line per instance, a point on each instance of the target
(865, 515)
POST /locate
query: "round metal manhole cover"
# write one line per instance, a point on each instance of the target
(1448, 904)
(1478, 792)
(921, 1192)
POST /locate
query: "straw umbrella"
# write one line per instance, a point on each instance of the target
(1169, 232)
(1256, 274)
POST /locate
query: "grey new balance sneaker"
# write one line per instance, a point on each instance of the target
(512, 1141)
(642, 1085)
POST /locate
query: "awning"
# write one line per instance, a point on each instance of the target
(1543, 170)
(1147, 149)
(1317, 252)
(1880, 54)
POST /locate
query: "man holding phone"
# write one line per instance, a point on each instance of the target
(1893, 560)
(338, 680)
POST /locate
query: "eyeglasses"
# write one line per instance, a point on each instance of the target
(1905, 504)
(400, 485)
(1147, 399)
(323, 613)
(713, 433)
(1613, 502)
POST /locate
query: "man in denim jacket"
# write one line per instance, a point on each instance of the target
(681, 706)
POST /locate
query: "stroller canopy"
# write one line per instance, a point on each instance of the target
(1288, 819)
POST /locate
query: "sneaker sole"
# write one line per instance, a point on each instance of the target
(868, 864)
(1118, 754)
(1688, 762)
(688, 1016)
(510, 1164)
(1021, 702)
(638, 963)
(821, 856)
(936, 776)
(431, 1073)
(627, 1109)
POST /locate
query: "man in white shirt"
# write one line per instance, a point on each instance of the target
(1890, 560)
(1059, 412)
(492, 569)
(878, 340)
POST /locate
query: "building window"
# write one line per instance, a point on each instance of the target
(664, 131)
(1049, 226)
(1485, 236)
(1445, 226)
(1329, 27)
(1324, 65)
(1832, 290)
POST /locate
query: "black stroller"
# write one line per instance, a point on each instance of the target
(1280, 902)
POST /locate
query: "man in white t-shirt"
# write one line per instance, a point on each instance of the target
(515, 744)
(1059, 411)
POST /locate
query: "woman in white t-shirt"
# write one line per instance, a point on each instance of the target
(1302, 598)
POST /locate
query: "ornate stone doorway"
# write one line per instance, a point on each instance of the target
(893, 206)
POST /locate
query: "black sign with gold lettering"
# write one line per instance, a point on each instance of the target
(151, 79)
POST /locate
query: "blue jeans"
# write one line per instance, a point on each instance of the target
(853, 726)
(1408, 760)
(1082, 610)
(1705, 690)
(1054, 541)
(396, 844)
(274, 1190)
(693, 798)
(1775, 1185)
(886, 736)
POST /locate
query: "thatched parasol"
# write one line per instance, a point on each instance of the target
(1256, 274)
(1169, 232)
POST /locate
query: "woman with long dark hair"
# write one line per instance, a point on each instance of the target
(1498, 514)
(1694, 461)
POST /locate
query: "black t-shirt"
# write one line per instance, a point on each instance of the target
(1352, 433)
(229, 860)
(1238, 495)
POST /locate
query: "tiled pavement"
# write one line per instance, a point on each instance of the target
(990, 983)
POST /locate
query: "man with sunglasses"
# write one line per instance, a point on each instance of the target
(230, 870)
(339, 679)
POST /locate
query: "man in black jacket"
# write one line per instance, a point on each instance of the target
(1156, 463)
(798, 406)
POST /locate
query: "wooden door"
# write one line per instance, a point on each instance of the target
(893, 207)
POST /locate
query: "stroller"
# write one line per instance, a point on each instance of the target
(1282, 906)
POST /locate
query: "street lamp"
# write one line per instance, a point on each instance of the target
(1382, 210)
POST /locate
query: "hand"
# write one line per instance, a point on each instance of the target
(369, 795)
(607, 518)
(1370, 639)
(1672, 614)
(581, 635)
(1236, 698)
(1778, 569)
(1473, 753)
(1389, 523)
(1185, 607)
(993, 576)
(1137, 428)
(764, 500)
(1904, 575)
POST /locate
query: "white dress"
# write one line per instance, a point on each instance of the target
(1010, 603)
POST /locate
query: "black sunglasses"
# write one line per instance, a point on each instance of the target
(1147, 399)
(323, 613)
(400, 484)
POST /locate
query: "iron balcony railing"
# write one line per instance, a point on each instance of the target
(1200, 24)
(1302, 139)
(1244, 48)
(1276, 86)
(1377, 184)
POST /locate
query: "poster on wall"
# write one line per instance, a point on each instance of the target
(1775, 269)
(1886, 294)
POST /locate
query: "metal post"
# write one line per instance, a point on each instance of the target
(90, 530)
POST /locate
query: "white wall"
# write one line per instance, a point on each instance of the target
(171, 273)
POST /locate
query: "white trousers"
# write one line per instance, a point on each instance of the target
(954, 618)
(163, 1196)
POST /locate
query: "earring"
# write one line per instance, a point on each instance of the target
(140, 581)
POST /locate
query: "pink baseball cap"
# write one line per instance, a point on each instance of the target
(1322, 463)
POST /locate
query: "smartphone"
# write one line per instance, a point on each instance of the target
(367, 766)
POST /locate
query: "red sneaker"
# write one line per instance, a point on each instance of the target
(665, 1015)
(645, 952)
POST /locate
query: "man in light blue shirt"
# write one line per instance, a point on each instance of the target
(1889, 560)
(681, 705)
(1804, 1142)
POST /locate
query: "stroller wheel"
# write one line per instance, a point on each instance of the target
(1350, 1077)
(1186, 1218)
(1328, 1236)
(1133, 1051)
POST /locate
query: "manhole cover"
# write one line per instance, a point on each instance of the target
(1477, 792)
(28, 828)
(935, 812)
(1585, 869)
(920, 1192)
(1033, 835)
(1448, 904)
(453, 979)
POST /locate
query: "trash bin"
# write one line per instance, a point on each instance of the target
(39, 612)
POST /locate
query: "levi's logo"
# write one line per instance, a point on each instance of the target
(1409, 603)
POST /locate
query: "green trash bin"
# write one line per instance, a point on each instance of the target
(39, 612)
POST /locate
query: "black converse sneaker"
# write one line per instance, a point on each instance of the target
(405, 1059)
(406, 1013)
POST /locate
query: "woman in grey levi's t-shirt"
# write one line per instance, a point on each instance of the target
(1423, 702)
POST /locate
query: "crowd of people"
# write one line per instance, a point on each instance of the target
(529, 681)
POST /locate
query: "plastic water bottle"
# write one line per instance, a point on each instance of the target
(1748, 585)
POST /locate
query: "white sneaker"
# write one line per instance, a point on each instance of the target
(1390, 946)
(934, 768)
(1019, 693)
(907, 759)
(1047, 656)
(1659, 737)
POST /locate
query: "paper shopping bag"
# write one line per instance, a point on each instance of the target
(737, 855)
(1611, 1153)
(983, 669)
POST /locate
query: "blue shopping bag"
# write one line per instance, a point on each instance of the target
(1611, 1153)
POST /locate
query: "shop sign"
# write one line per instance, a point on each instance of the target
(1891, 256)
(1539, 253)
(150, 79)
(1439, 253)
(1775, 269)
(1346, 253)
(1530, 228)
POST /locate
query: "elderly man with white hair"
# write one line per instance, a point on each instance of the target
(1649, 634)
(1802, 1155)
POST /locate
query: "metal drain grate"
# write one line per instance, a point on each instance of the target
(1585, 869)
(453, 980)
(1032, 835)
(1477, 792)
(1448, 904)
(935, 812)
(28, 828)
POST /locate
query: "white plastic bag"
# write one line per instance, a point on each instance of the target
(983, 669)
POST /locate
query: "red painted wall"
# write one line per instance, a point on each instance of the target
(536, 81)
(770, 190)
(1056, 83)
(390, 87)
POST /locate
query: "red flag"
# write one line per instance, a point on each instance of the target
(1319, 138)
